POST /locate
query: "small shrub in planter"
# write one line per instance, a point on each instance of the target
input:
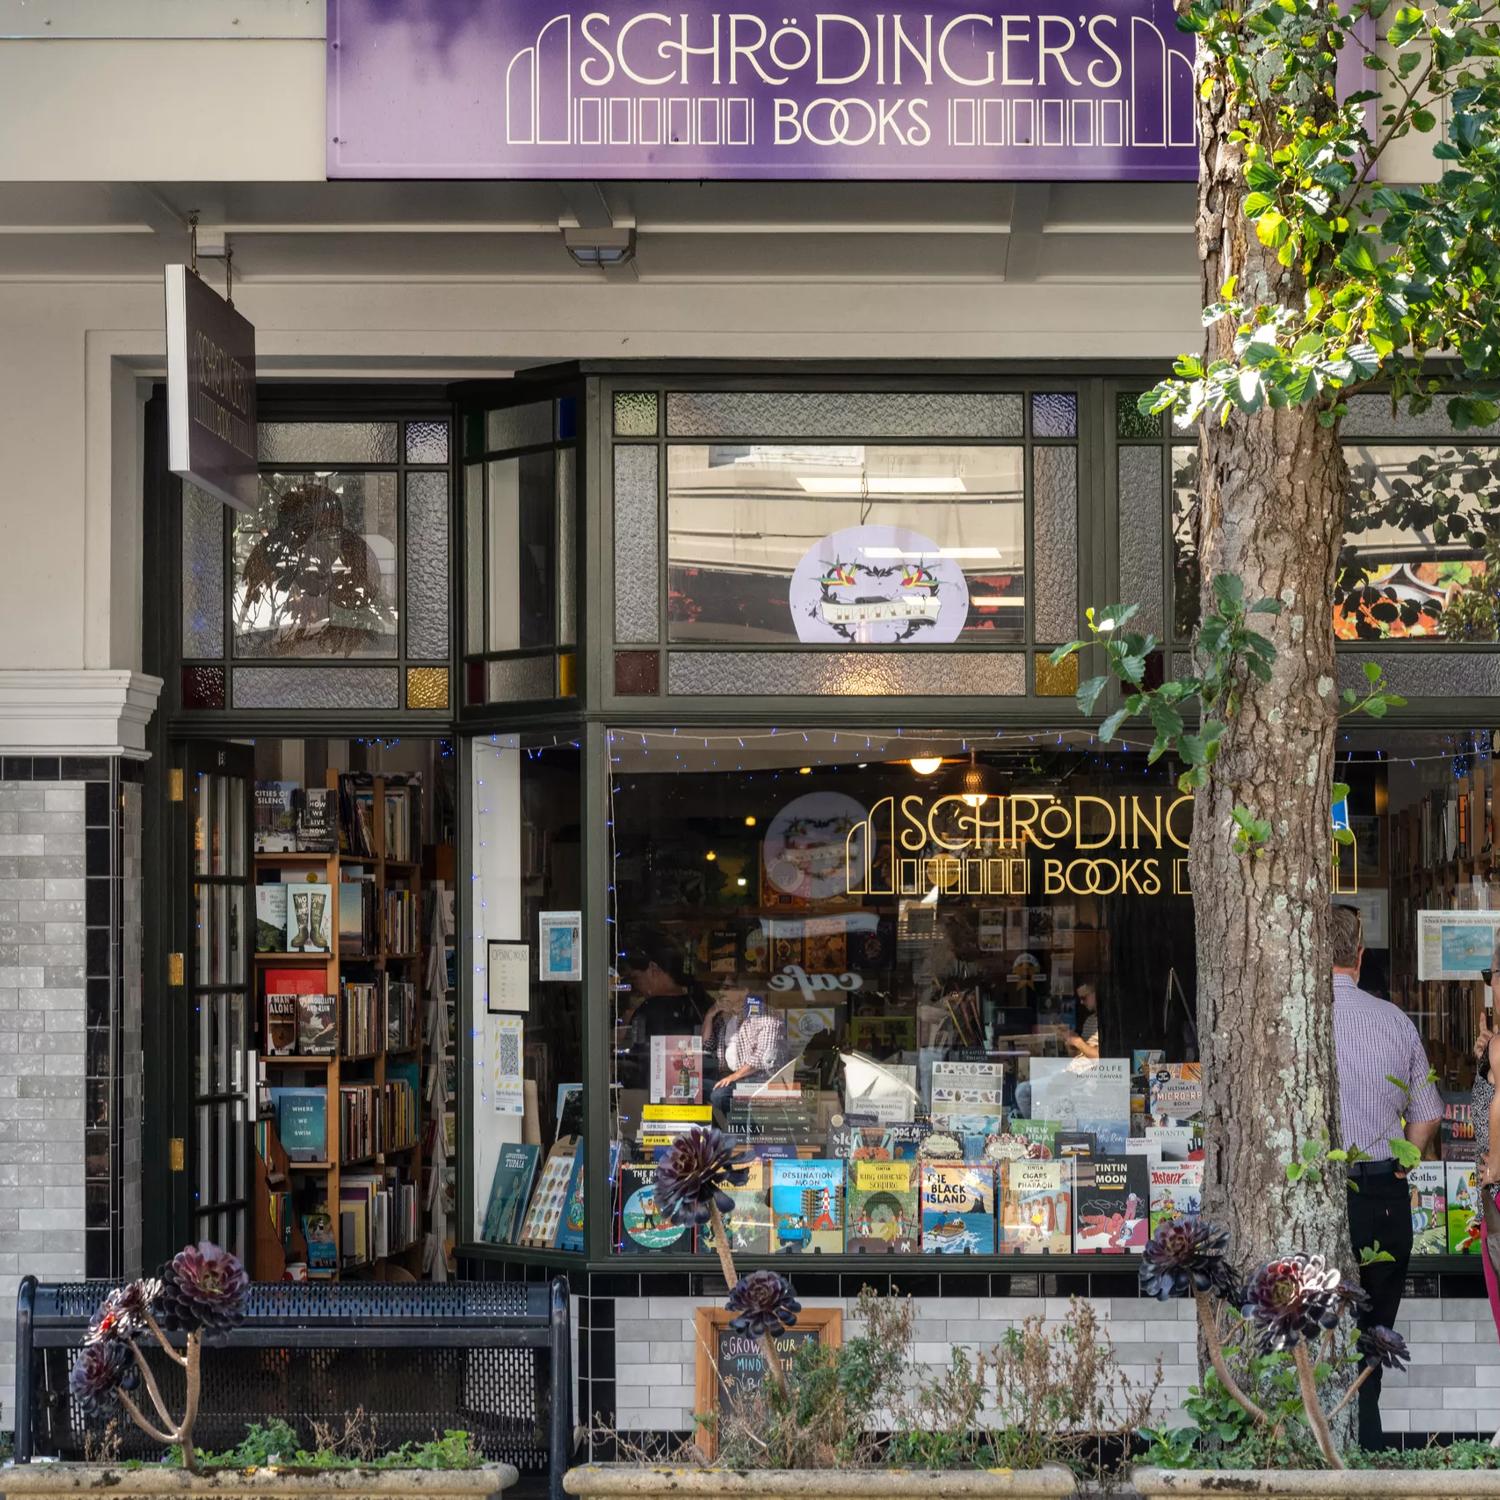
(201, 1291)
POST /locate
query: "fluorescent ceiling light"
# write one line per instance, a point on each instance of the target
(955, 552)
(835, 484)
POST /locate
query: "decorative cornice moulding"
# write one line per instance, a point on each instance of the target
(72, 712)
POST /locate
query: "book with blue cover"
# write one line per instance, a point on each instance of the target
(509, 1189)
(807, 1206)
(302, 1122)
(570, 1227)
(958, 1209)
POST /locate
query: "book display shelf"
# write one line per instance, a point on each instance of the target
(338, 1165)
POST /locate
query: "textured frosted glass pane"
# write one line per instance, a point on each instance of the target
(567, 559)
(1427, 674)
(1184, 542)
(1054, 414)
(474, 556)
(1140, 535)
(427, 565)
(315, 567)
(427, 442)
(317, 687)
(771, 414)
(1370, 416)
(518, 426)
(635, 413)
(1132, 423)
(864, 674)
(1055, 537)
(637, 556)
(525, 677)
(328, 443)
(202, 573)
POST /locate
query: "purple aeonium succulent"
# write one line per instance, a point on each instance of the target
(102, 1370)
(1185, 1256)
(764, 1303)
(123, 1314)
(203, 1287)
(693, 1174)
(1383, 1346)
(1293, 1298)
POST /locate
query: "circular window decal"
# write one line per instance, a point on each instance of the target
(878, 586)
(807, 843)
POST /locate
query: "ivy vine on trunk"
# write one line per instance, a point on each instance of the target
(1318, 278)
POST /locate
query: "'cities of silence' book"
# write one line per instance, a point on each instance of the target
(1036, 1207)
(958, 1209)
(882, 1210)
(1111, 1205)
(807, 1205)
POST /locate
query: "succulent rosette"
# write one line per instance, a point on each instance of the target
(102, 1370)
(692, 1176)
(763, 1303)
(203, 1287)
(1383, 1347)
(124, 1313)
(1291, 1299)
(1186, 1256)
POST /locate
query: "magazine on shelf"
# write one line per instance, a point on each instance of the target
(1166, 1144)
(1111, 1205)
(807, 1206)
(1085, 1093)
(322, 1247)
(677, 1069)
(1036, 1208)
(1429, 1208)
(882, 1213)
(958, 1209)
(1076, 1143)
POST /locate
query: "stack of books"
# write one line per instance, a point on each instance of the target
(363, 1017)
(360, 1108)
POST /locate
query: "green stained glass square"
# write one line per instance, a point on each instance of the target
(635, 413)
(1133, 423)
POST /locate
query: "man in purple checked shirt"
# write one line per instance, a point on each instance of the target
(1377, 1044)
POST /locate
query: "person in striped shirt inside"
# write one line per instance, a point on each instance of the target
(1386, 1093)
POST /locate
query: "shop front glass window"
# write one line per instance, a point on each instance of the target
(526, 1035)
(846, 544)
(907, 972)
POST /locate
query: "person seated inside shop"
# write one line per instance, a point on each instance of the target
(1084, 1042)
(744, 1043)
(658, 998)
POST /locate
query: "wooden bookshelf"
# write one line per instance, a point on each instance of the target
(333, 1072)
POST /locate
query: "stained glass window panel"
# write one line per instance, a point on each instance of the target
(315, 567)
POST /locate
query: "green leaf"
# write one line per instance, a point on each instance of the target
(1063, 652)
(1111, 726)
(1310, 1150)
(1257, 203)
(1405, 1153)
(1294, 1171)
(1088, 693)
(1423, 120)
(1356, 258)
(1408, 22)
(1372, 672)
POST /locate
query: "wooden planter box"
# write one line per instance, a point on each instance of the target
(1316, 1484)
(641, 1482)
(157, 1483)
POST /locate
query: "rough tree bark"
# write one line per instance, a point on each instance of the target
(1272, 514)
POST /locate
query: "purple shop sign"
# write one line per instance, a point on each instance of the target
(1097, 90)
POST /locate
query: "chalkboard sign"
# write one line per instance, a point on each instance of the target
(732, 1365)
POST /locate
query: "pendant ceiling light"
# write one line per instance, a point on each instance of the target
(974, 794)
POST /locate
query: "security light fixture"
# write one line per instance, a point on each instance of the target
(593, 249)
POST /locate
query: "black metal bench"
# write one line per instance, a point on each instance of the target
(492, 1357)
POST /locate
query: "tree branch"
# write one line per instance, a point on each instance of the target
(136, 1416)
(165, 1342)
(190, 1409)
(1353, 1391)
(1308, 1385)
(152, 1389)
(1216, 1358)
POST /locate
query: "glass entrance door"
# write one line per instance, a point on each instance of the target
(215, 942)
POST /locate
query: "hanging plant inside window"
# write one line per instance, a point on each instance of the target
(312, 585)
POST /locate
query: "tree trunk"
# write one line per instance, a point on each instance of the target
(1272, 514)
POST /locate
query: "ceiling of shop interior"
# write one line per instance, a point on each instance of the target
(803, 231)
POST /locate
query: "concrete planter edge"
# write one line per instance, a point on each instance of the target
(647, 1481)
(1316, 1484)
(156, 1483)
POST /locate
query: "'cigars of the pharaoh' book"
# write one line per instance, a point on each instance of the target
(1176, 1192)
(958, 1209)
(1111, 1205)
(1429, 1208)
(807, 1206)
(1036, 1207)
(882, 1208)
